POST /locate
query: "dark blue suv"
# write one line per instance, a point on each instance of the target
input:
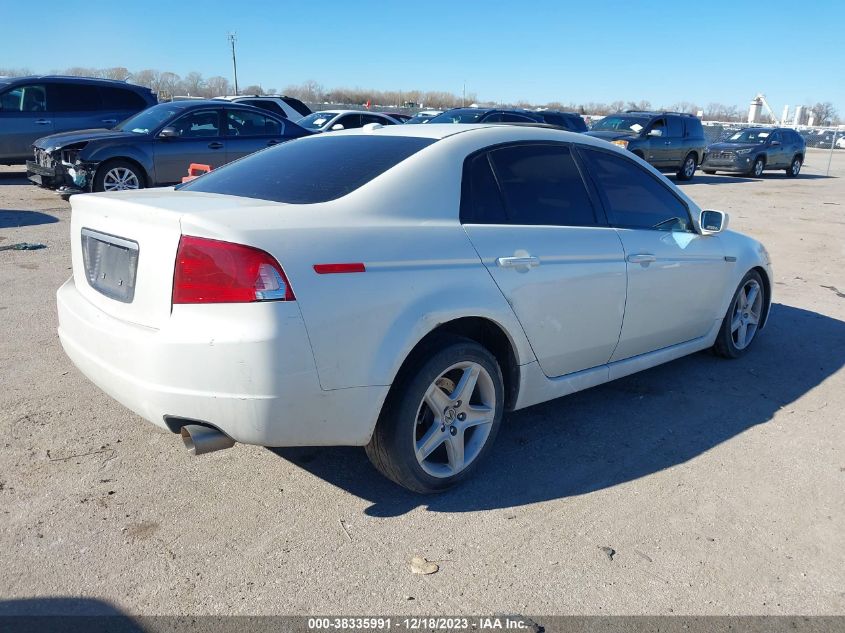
(565, 120)
(32, 107)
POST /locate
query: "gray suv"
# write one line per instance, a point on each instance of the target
(753, 150)
(670, 141)
(32, 107)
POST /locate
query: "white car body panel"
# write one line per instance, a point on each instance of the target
(317, 371)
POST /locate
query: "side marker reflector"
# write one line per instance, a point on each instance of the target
(331, 269)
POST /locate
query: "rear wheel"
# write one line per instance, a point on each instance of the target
(118, 175)
(740, 325)
(440, 418)
(687, 170)
(794, 168)
(758, 167)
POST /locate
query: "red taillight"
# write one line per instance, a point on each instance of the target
(210, 271)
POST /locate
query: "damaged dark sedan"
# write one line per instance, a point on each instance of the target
(155, 147)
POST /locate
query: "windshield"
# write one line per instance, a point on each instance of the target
(317, 168)
(316, 120)
(421, 118)
(621, 123)
(147, 120)
(749, 136)
(466, 115)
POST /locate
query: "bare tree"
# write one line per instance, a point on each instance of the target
(149, 78)
(254, 89)
(118, 72)
(193, 84)
(217, 86)
(824, 113)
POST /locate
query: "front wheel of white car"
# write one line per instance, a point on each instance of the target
(440, 418)
(743, 319)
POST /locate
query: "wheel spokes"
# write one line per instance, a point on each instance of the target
(437, 401)
(474, 416)
(455, 451)
(433, 438)
(466, 385)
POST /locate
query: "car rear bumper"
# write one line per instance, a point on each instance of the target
(246, 369)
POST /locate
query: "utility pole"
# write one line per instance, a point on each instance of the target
(233, 37)
(464, 95)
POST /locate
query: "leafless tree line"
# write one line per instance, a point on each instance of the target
(168, 84)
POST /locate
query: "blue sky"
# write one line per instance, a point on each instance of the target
(664, 52)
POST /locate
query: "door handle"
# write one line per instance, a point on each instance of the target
(43, 121)
(109, 121)
(215, 145)
(516, 262)
(642, 258)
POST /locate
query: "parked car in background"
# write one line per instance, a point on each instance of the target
(670, 141)
(399, 288)
(156, 146)
(333, 120)
(754, 150)
(424, 116)
(288, 107)
(32, 107)
(399, 116)
(564, 120)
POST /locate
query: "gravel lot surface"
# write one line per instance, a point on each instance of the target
(703, 486)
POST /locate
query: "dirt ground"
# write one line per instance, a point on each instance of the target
(718, 485)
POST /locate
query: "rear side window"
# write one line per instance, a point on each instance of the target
(121, 99)
(632, 197)
(242, 123)
(309, 170)
(265, 104)
(541, 185)
(73, 97)
(481, 202)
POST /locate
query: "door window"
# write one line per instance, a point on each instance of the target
(374, 118)
(659, 124)
(676, 127)
(632, 197)
(349, 121)
(266, 104)
(481, 202)
(246, 123)
(202, 124)
(31, 98)
(541, 185)
(74, 98)
(776, 137)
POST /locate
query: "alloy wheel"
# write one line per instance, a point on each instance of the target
(454, 419)
(120, 179)
(758, 168)
(796, 167)
(689, 167)
(745, 316)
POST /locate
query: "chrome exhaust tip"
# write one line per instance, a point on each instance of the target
(200, 440)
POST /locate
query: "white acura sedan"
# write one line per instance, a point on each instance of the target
(399, 288)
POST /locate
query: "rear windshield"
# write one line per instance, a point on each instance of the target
(309, 170)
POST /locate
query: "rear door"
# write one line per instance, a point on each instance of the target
(674, 143)
(248, 131)
(76, 106)
(23, 118)
(198, 140)
(676, 277)
(529, 215)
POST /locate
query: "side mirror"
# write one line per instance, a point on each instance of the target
(337, 126)
(168, 132)
(656, 132)
(775, 143)
(713, 222)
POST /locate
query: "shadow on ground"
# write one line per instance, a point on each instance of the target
(621, 431)
(66, 614)
(727, 179)
(13, 178)
(14, 218)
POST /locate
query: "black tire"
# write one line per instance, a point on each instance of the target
(725, 345)
(709, 172)
(687, 169)
(757, 167)
(117, 164)
(392, 448)
(794, 167)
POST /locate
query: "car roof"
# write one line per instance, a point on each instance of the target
(74, 79)
(505, 132)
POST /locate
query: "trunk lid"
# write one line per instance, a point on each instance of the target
(124, 245)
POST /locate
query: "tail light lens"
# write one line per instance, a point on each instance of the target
(211, 271)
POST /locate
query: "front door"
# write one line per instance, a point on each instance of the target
(658, 145)
(23, 119)
(559, 266)
(198, 140)
(676, 277)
